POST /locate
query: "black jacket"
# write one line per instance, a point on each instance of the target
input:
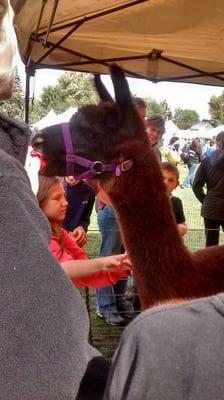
(80, 199)
(211, 173)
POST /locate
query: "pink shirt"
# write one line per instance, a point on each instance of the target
(71, 251)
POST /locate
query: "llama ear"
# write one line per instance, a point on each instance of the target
(101, 90)
(121, 89)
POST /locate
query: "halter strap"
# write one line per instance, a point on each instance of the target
(93, 167)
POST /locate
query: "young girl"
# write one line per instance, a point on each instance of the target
(94, 273)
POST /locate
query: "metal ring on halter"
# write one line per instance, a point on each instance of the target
(97, 167)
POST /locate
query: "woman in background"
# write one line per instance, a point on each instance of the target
(194, 157)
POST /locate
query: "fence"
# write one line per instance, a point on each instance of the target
(106, 337)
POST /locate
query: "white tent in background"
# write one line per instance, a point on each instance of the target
(202, 126)
(211, 133)
(170, 130)
(65, 116)
(187, 134)
(48, 120)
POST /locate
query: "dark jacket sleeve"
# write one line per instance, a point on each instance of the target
(178, 210)
(198, 183)
(85, 221)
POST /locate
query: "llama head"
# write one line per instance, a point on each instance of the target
(107, 132)
(7, 49)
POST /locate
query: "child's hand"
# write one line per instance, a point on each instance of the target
(113, 263)
(79, 236)
(182, 229)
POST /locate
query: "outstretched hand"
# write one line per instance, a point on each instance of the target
(116, 262)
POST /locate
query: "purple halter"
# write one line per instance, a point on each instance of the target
(93, 167)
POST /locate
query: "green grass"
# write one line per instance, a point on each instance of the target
(103, 336)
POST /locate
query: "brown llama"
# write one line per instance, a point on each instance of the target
(110, 134)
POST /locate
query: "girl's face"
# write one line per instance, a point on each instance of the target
(55, 204)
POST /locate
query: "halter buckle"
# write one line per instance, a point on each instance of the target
(97, 167)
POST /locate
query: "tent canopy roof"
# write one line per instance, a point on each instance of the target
(159, 40)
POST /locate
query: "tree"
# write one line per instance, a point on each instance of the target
(153, 107)
(74, 89)
(184, 119)
(166, 111)
(14, 107)
(216, 109)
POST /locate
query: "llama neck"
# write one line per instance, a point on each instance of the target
(149, 229)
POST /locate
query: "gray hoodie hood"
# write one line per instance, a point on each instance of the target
(14, 137)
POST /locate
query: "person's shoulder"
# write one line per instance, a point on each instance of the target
(12, 168)
(176, 200)
(160, 320)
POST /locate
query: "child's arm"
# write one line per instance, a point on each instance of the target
(179, 215)
(77, 269)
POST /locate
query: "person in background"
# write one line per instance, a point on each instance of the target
(194, 157)
(171, 179)
(155, 126)
(112, 305)
(80, 197)
(210, 173)
(210, 148)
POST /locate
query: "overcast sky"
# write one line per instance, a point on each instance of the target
(182, 95)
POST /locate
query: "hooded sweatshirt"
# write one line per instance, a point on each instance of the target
(44, 327)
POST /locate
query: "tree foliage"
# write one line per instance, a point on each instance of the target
(14, 107)
(216, 109)
(153, 107)
(184, 119)
(74, 89)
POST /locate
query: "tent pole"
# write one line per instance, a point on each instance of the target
(27, 96)
(30, 71)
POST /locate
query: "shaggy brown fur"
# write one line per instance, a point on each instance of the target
(164, 268)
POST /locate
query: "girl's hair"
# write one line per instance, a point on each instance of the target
(46, 183)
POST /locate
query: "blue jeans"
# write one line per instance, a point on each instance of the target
(191, 171)
(110, 244)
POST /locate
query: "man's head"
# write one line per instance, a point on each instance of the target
(170, 176)
(155, 128)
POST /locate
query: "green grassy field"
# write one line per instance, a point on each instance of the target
(103, 336)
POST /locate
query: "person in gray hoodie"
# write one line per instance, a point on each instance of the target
(210, 173)
(44, 349)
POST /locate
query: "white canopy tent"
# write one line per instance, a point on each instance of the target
(48, 120)
(171, 130)
(214, 131)
(158, 40)
(65, 116)
(52, 118)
